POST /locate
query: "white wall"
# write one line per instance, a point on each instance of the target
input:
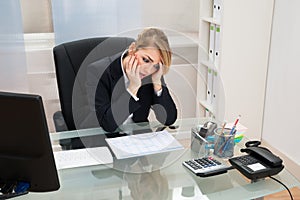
(282, 108)
(12, 51)
(37, 16)
(244, 60)
(177, 15)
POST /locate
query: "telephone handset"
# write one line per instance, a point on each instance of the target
(259, 163)
(264, 154)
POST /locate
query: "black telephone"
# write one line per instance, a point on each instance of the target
(259, 163)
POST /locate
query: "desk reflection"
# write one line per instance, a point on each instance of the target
(148, 185)
(142, 176)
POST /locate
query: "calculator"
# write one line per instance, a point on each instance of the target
(206, 166)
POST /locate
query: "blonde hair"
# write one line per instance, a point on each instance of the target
(153, 37)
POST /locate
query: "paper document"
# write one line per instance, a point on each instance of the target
(143, 144)
(82, 157)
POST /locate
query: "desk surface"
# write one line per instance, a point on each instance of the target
(159, 176)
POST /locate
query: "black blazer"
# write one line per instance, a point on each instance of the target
(112, 102)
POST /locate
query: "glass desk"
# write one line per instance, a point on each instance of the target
(159, 176)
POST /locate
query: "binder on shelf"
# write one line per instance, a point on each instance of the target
(217, 45)
(207, 113)
(208, 110)
(211, 20)
(214, 9)
(217, 9)
(211, 42)
(215, 90)
(208, 64)
(209, 86)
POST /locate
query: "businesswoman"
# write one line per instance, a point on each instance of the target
(131, 83)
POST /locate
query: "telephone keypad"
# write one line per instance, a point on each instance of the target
(247, 160)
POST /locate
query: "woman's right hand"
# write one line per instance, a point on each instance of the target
(132, 71)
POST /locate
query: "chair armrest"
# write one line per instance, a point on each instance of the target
(60, 125)
(59, 122)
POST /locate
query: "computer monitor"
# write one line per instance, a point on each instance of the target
(25, 148)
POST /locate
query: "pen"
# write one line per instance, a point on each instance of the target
(222, 133)
(223, 126)
(234, 125)
(232, 132)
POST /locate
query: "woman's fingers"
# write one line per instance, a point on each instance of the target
(132, 68)
(135, 68)
(132, 71)
(129, 64)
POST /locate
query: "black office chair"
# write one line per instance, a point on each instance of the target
(71, 58)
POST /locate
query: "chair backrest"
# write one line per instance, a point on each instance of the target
(71, 57)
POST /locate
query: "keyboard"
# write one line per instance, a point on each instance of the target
(206, 166)
(82, 157)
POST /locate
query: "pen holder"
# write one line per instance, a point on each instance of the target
(224, 143)
(199, 144)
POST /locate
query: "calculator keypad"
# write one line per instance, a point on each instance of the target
(201, 166)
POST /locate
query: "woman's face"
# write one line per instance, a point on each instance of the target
(147, 59)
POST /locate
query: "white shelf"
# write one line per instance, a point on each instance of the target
(211, 20)
(206, 64)
(39, 41)
(209, 64)
(207, 106)
(45, 73)
(186, 65)
(51, 100)
(187, 39)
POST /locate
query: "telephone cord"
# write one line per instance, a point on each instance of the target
(283, 186)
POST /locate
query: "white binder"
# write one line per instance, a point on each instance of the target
(207, 113)
(209, 87)
(217, 45)
(215, 90)
(217, 10)
(211, 42)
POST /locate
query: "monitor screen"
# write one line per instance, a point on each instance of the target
(25, 147)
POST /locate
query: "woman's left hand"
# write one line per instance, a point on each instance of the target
(156, 78)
